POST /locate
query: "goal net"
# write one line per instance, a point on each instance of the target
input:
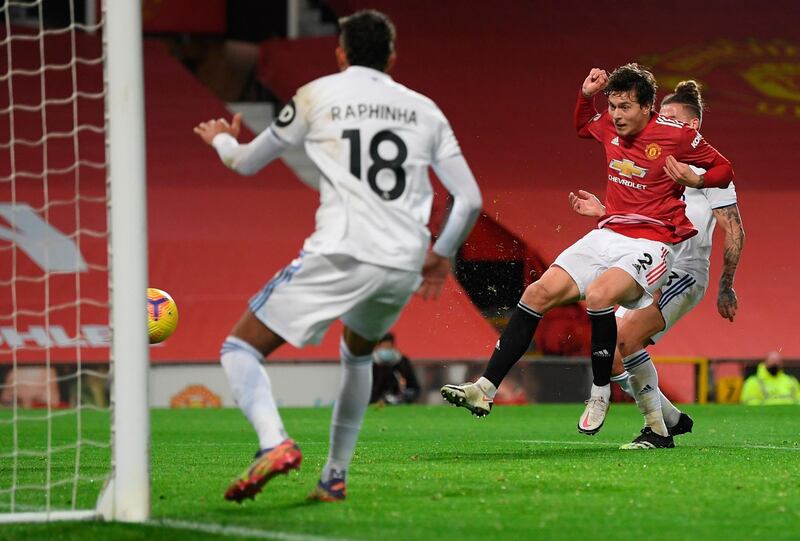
(73, 440)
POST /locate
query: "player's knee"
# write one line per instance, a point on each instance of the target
(627, 347)
(599, 297)
(539, 297)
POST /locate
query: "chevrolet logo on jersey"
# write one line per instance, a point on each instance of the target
(627, 168)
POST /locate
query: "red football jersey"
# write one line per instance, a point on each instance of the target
(642, 201)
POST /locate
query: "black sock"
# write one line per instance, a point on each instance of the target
(513, 343)
(604, 341)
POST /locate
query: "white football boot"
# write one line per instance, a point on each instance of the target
(470, 396)
(594, 415)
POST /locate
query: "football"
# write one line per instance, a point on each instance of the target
(162, 315)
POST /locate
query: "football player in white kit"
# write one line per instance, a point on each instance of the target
(633, 369)
(373, 140)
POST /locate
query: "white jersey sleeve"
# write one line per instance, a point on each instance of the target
(446, 143)
(291, 125)
(459, 181)
(721, 197)
(250, 158)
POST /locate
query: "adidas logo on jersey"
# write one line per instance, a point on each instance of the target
(602, 353)
(646, 389)
(615, 141)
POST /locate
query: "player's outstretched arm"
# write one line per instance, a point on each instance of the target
(586, 204)
(731, 222)
(211, 128)
(245, 159)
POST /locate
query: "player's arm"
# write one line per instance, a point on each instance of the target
(730, 220)
(586, 204)
(290, 127)
(585, 113)
(457, 178)
(694, 150)
(250, 158)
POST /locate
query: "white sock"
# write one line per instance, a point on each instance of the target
(670, 412)
(643, 380)
(252, 390)
(603, 391)
(348, 413)
(622, 381)
(487, 387)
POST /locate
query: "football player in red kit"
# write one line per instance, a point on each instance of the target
(628, 257)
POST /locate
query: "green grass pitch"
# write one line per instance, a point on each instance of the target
(438, 473)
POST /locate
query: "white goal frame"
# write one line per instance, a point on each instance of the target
(126, 495)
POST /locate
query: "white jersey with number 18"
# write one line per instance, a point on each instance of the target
(373, 140)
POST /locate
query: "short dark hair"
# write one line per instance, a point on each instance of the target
(367, 37)
(687, 93)
(388, 337)
(633, 78)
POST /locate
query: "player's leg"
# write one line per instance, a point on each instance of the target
(554, 288)
(637, 328)
(611, 287)
(365, 324)
(297, 305)
(241, 355)
(637, 268)
(680, 295)
(351, 404)
(564, 282)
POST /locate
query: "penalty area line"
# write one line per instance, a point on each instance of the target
(240, 531)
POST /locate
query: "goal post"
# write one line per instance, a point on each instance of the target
(130, 481)
(73, 264)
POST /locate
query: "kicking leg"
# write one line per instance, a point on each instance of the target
(554, 288)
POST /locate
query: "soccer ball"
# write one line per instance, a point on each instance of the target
(162, 315)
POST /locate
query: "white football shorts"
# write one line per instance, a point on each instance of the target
(679, 295)
(647, 261)
(301, 301)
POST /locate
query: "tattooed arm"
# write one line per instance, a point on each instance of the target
(731, 222)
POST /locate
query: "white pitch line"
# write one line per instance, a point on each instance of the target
(604, 444)
(238, 531)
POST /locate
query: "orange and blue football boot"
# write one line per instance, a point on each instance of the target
(333, 490)
(267, 464)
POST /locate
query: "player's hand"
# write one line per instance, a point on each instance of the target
(209, 129)
(434, 273)
(586, 204)
(727, 303)
(682, 173)
(596, 81)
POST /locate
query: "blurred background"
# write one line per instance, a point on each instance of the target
(505, 73)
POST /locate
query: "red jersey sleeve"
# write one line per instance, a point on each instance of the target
(695, 150)
(588, 122)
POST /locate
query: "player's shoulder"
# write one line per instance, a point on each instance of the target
(412, 95)
(666, 123)
(331, 79)
(673, 129)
